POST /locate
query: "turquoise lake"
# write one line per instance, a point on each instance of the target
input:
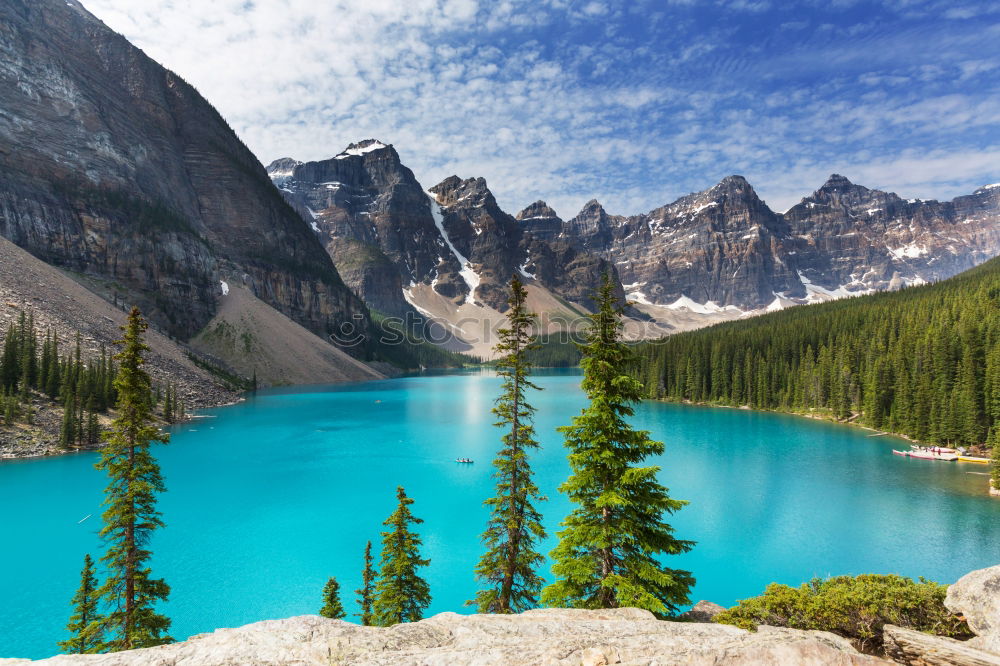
(269, 498)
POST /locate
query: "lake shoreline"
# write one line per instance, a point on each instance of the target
(33, 442)
(814, 417)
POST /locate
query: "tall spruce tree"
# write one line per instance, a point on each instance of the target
(86, 624)
(401, 595)
(609, 544)
(168, 405)
(130, 592)
(332, 607)
(366, 593)
(508, 568)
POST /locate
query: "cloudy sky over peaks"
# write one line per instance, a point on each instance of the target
(634, 102)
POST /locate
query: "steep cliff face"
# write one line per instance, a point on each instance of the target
(487, 236)
(373, 217)
(114, 167)
(849, 237)
(436, 251)
(722, 245)
(723, 252)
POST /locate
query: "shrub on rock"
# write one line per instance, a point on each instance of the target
(853, 607)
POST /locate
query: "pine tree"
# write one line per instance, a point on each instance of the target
(401, 594)
(332, 607)
(9, 366)
(131, 516)
(168, 406)
(606, 557)
(52, 381)
(508, 567)
(85, 625)
(67, 435)
(9, 409)
(366, 593)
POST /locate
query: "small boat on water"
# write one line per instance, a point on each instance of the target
(464, 460)
(926, 454)
(974, 459)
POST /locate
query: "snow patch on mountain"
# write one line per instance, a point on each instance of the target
(911, 251)
(638, 297)
(710, 307)
(312, 222)
(818, 294)
(361, 149)
(468, 274)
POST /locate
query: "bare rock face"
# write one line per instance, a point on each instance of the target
(482, 232)
(722, 245)
(386, 234)
(848, 236)
(725, 246)
(541, 220)
(552, 636)
(976, 596)
(112, 166)
(915, 648)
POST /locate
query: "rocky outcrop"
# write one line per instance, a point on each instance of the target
(976, 596)
(703, 611)
(915, 648)
(114, 167)
(541, 220)
(578, 637)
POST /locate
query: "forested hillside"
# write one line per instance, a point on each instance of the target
(923, 362)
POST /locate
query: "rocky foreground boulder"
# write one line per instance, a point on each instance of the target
(562, 637)
(549, 636)
(976, 597)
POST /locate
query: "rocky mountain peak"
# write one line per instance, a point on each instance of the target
(282, 169)
(471, 192)
(836, 182)
(537, 210)
(735, 188)
(364, 147)
(839, 192)
(734, 182)
(591, 207)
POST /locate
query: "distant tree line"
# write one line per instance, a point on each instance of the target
(923, 362)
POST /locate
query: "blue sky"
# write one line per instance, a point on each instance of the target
(632, 103)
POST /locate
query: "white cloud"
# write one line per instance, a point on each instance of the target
(569, 101)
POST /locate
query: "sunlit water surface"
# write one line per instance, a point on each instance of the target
(269, 498)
